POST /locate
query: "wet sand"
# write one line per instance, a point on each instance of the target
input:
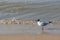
(52, 28)
(29, 32)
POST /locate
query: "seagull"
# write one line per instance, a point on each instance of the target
(41, 23)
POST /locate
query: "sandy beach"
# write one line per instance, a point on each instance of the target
(46, 11)
(30, 37)
(29, 32)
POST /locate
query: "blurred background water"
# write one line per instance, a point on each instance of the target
(28, 0)
(30, 9)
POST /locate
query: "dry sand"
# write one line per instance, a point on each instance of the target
(30, 37)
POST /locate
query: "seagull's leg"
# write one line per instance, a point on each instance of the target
(42, 28)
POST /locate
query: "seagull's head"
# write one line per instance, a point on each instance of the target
(38, 20)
